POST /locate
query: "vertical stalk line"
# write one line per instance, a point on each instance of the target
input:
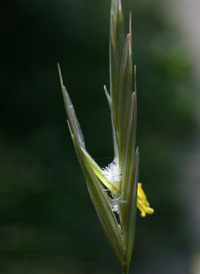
(125, 269)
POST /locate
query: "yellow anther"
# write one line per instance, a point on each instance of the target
(142, 203)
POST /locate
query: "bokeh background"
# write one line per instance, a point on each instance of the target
(47, 222)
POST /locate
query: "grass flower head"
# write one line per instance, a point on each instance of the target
(114, 189)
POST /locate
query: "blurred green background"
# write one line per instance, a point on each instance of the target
(47, 222)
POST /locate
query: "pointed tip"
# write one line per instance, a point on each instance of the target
(130, 35)
(108, 97)
(120, 6)
(137, 153)
(60, 75)
(133, 98)
(121, 12)
(117, 9)
(135, 82)
(105, 89)
(130, 29)
(130, 23)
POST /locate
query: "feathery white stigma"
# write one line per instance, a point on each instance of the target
(112, 172)
(115, 203)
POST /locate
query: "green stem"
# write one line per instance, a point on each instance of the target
(125, 269)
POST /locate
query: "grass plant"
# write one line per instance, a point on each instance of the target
(115, 190)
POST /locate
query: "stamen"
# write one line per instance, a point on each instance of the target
(142, 202)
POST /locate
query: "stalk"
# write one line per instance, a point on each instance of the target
(125, 269)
